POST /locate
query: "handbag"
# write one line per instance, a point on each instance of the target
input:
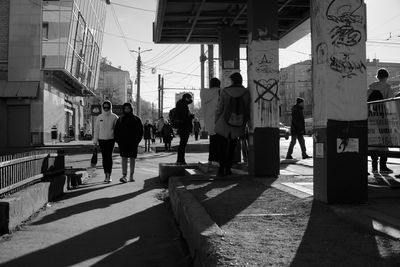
(93, 160)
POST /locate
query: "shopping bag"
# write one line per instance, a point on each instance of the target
(93, 161)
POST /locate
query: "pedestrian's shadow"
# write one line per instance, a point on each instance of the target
(99, 203)
(147, 238)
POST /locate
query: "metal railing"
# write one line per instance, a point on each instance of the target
(23, 169)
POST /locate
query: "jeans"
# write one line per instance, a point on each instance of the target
(146, 145)
(226, 151)
(184, 137)
(167, 146)
(107, 147)
(293, 143)
(124, 164)
(196, 136)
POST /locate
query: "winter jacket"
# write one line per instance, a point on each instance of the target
(184, 115)
(167, 133)
(128, 133)
(221, 126)
(209, 102)
(148, 128)
(298, 124)
(196, 126)
(104, 126)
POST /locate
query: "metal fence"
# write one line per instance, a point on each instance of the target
(22, 169)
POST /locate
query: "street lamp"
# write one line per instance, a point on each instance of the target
(139, 65)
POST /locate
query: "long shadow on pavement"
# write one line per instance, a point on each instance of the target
(99, 203)
(147, 238)
(330, 241)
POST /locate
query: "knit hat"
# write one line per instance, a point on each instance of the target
(299, 100)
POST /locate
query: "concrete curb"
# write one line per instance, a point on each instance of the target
(18, 207)
(195, 223)
(167, 170)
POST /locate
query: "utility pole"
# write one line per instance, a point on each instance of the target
(162, 96)
(159, 96)
(202, 60)
(138, 67)
(211, 73)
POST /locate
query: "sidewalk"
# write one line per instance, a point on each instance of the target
(276, 222)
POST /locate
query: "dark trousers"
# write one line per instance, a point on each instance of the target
(167, 145)
(196, 136)
(184, 137)
(107, 147)
(293, 143)
(146, 145)
(213, 148)
(226, 151)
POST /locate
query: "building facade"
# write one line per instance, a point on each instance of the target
(295, 81)
(114, 84)
(49, 62)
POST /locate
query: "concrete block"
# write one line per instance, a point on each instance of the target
(166, 170)
(18, 207)
(195, 223)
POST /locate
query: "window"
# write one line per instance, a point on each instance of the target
(45, 31)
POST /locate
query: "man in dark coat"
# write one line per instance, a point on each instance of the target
(185, 126)
(128, 133)
(298, 129)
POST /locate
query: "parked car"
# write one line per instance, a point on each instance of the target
(284, 131)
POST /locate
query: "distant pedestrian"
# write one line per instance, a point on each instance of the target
(185, 125)
(160, 125)
(148, 129)
(232, 115)
(128, 133)
(298, 129)
(153, 132)
(104, 136)
(196, 128)
(380, 90)
(167, 134)
(209, 102)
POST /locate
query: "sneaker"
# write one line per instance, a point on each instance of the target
(306, 156)
(131, 178)
(385, 169)
(289, 157)
(123, 180)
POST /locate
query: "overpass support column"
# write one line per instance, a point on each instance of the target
(229, 50)
(339, 80)
(263, 80)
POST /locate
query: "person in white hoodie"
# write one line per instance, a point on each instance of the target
(104, 136)
(209, 101)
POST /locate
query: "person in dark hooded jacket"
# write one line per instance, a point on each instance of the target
(297, 129)
(128, 133)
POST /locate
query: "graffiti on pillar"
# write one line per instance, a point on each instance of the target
(266, 90)
(344, 15)
(322, 53)
(346, 66)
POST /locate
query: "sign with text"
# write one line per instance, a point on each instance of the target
(384, 123)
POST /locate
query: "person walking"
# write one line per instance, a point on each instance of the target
(167, 134)
(196, 128)
(209, 101)
(128, 133)
(104, 136)
(160, 125)
(153, 132)
(298, 129)
(380, 90)
(185, 125)
(232, 115)
(148, 128)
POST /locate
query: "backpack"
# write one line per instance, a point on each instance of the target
(235, 114)
(375, 95)
(173, 118)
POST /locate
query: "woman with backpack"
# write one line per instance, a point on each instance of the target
(232, 115)
(128, 133)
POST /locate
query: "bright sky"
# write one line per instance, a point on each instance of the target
(180, 64)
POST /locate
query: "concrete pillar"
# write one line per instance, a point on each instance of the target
(229, 53)
(263, 79)
(339, 81)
